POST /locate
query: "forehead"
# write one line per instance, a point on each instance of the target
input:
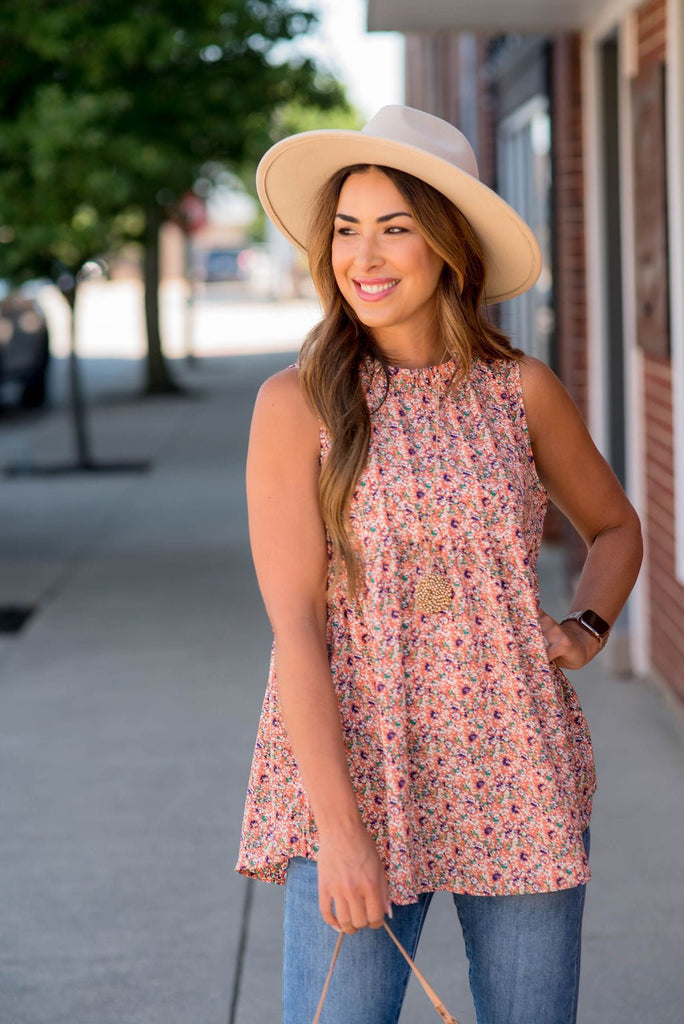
(370, 189)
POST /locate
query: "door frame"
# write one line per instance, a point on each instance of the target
(621, 20)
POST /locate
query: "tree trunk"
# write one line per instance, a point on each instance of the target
(159, 379)
(84, 459)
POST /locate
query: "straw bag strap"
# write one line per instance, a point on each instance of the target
(336, 953)
(439, 1006)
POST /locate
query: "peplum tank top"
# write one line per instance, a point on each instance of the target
(467, 749)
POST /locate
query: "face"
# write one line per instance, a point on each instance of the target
(383, 266)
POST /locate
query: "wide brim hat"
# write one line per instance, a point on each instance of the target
(293, 171)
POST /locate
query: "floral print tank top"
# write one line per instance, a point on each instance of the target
(468, 751)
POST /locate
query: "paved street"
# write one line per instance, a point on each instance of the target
(129, 706)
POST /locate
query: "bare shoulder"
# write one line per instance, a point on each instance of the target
(537, 377)
(548, 406)
(283, 392)
(283, 411)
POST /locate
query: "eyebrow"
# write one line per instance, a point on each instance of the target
(380, 220)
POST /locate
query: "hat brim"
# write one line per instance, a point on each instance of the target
(293, 171)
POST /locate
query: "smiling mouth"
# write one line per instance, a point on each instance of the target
(366, 288)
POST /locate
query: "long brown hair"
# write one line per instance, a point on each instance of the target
(332, 353)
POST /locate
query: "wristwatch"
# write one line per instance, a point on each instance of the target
(591, 623)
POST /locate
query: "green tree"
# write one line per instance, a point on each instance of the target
(296, 116)
(112, 109)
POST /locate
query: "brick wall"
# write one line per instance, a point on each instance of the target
(666, 594)
(568, 184)
(569, 265)
(652, 28)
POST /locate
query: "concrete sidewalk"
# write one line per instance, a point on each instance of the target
(129, 709)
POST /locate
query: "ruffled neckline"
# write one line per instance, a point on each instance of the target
(447, 369)
(405, 378)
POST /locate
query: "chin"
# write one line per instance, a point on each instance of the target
(374, 318)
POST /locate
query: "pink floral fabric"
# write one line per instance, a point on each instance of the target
(468, 750)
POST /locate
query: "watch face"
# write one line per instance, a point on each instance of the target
(595, 622)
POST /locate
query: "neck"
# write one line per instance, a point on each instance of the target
(410, 351)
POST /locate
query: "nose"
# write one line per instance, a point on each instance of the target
(367, 252)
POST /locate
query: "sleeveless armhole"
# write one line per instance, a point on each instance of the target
(521, 421)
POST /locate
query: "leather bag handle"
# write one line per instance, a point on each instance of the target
(439, 1006)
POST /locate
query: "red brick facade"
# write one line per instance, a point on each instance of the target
(568, 178)
(652, 29)
(569, 262)
(666, 594)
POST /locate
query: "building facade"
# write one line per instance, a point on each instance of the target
(576, 114)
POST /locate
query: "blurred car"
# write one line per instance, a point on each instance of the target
(24, 350)
(228, 264)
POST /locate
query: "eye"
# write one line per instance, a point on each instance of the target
(344, 231)
(395, 229)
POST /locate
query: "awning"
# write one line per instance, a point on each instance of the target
(488, 16)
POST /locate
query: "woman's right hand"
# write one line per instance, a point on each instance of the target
(352, 885)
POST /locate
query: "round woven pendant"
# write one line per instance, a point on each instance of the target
(433, 593)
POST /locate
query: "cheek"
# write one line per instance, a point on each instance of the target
(340, 264)
(425, 261)
(433, 268)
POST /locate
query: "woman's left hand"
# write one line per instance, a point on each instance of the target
(568, 646)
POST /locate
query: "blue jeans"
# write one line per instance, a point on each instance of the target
(523, 951)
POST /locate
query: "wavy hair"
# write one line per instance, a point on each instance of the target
(332, 353)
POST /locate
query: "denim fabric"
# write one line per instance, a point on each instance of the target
(523, 951)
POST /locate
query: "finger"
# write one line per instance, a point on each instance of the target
(556, 647)
(555, 637)
(358, 914)
(326, 907)
(564, 652)
(347, 926)
(375, 913)
(553, 648)
(549, 627)
(344, 916)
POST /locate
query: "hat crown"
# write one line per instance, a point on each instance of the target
(415, 128)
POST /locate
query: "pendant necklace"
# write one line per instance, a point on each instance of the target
(434, 591)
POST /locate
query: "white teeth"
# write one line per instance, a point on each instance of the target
(375, 289)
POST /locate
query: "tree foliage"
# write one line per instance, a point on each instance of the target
(296, 116)
(111, 109)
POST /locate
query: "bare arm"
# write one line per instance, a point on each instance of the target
(583, 486)
(289, 550)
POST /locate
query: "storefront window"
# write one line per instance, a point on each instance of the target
(524, 180)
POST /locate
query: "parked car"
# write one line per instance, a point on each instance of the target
(228, 264)
(24, 350)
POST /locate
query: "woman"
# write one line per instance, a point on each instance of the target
(418, 733)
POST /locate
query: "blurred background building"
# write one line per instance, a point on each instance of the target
(576, 112)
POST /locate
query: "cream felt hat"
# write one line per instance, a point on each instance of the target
(291, 173)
